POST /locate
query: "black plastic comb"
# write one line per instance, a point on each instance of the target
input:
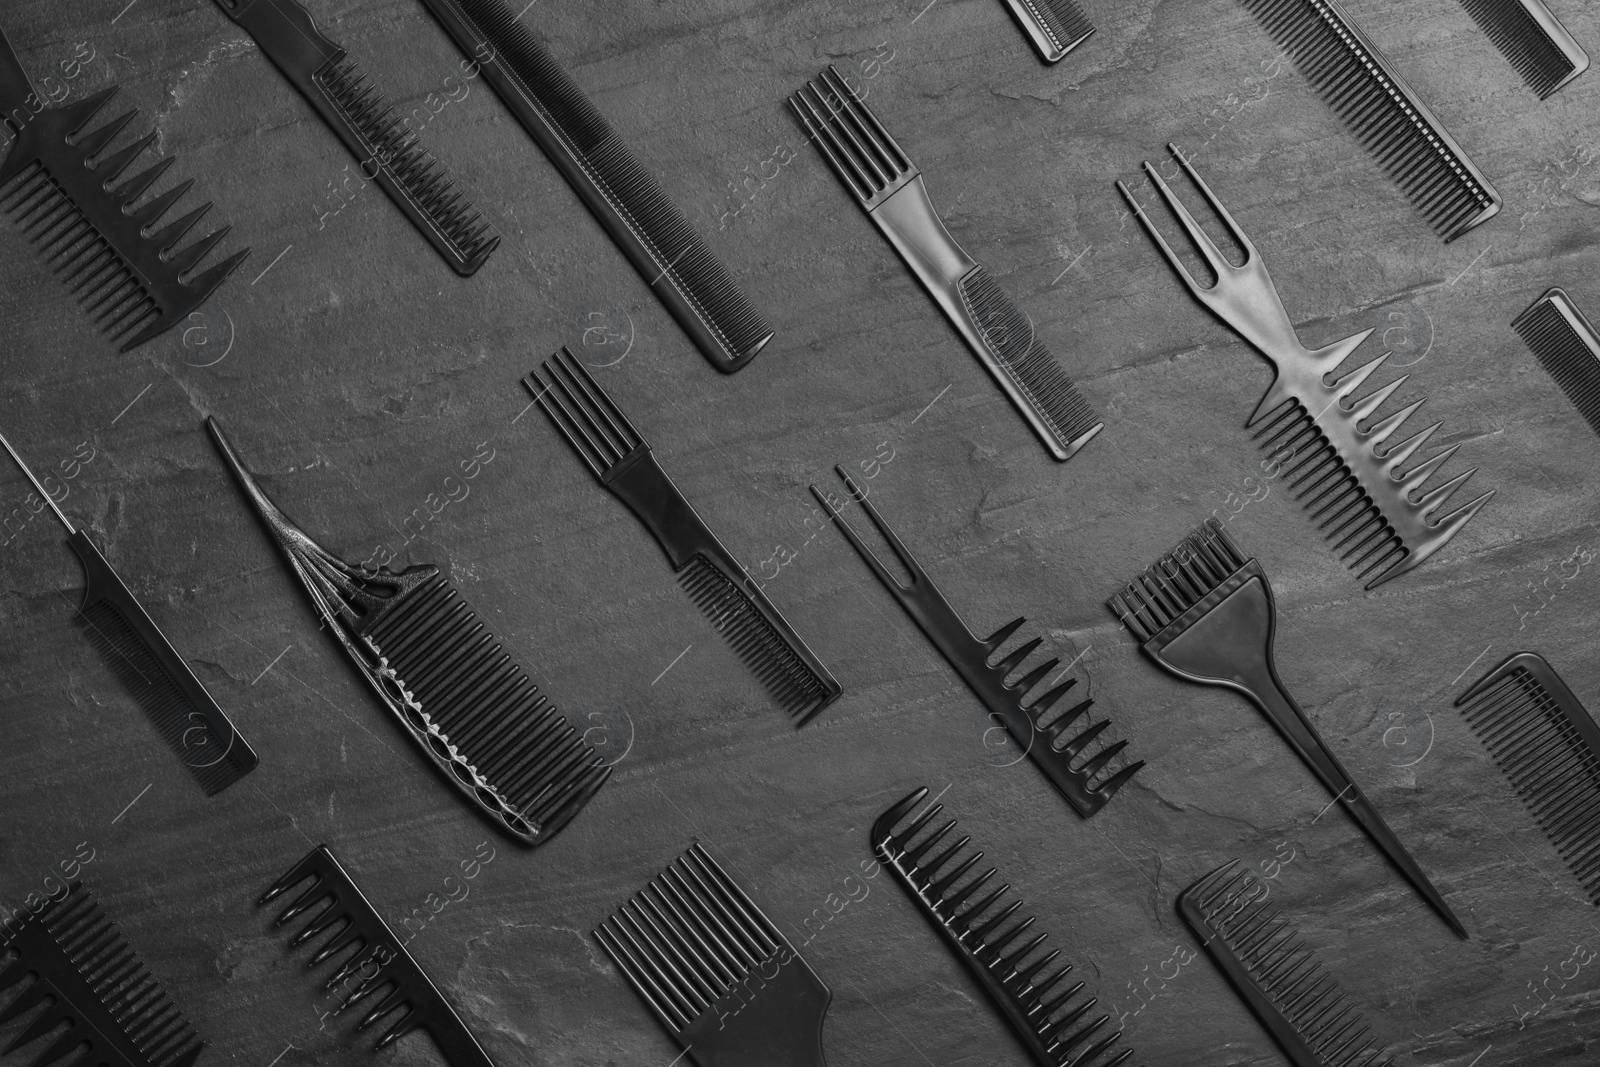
(1564, 342)
(1044, 1014)
(621, 460)
(82, 966)
(359, 935)
(466, 703)
(1533, 40)
(57, 182)
(1055, 27)
(1283, 985)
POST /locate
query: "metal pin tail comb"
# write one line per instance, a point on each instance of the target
(1086, 774)
(621, 459)
(1280, 981)
(1566, 345)
(1028, 988)
(370, 958)
(66, 189)
(1206, 614)
(465, 703)
(1337, 455)
(82, 968)
(723, 981)
(1533, 40)
(1055, 27)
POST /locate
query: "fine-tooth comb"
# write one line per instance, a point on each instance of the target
(466, 703)
(1055, 27)
(1031, 997)
(889, 187)
(1386, 116)
(1262, 956)
(81, 964)
(57, 182)
(1564, 342)
(1338, 465)
(380, 139)
(1206, 613)
(1533, 40)
(724, 982)
(627, 200)
(1066, 760)
(1549, 748)
(621, 459)
(358, 929)
(139, 654)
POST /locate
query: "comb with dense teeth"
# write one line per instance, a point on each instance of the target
(1561, 338)
(1533, 40)
(1055, 27)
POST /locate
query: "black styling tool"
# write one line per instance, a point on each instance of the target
(1055, 27)
(1565, 344)
(1533, 40)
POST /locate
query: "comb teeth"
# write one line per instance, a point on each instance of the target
(866, 158)
(1177, 581)
(1532, 40)
(1056, 27)
(1565, 344)
(1264, 958)
(586, 416)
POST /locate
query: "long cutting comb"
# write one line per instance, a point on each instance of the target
(1086, 776)
(621, 460)
(1026, 988)
(62, 186)
(1341, 463)
(359, 939)
(465, 703)
(83, 970)
(1561, 338)
(1280, 981)
(1533, 40)
(1055, 27)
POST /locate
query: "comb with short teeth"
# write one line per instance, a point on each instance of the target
(1566, 345)
(1532, 40)
(1055, 27)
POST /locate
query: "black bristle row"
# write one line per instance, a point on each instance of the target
(1178, 580)
(1063, 21)
(1541, 61)
(1568, 350)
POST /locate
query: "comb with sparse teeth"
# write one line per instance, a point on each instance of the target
(1561, 338)
(1055, 27)
(1533, 40)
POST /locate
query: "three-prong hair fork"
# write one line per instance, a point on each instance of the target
(621, 460)
(1532, 40)
(1085, 775)
(1566, 345)
(1055, 27)
(1026, 986)
(890, 190)
(1205, 613)
(726, 984)
(1263, 957)
(1338, 458)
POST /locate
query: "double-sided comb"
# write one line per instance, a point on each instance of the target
(1563, 341)
(61, 185)
(1548, 746)
(139, 654)
(1028, 992)
(621, 459)
(80, 963)
(724, 982)
(382, 141)
(1341, 464)
(890, 190)
(1533, 40)
(359, 935)
(1055, 27)
(439, 670)
(1087, 779)
(1206, 614)
(646, 225)
(1262, 956)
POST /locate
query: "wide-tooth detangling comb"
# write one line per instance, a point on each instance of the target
(81, 964)
(724, 982)
(439, 670)
(1029, 992)
(58, 183)
(1549, 748)
(1380, 108)
(621, 460)
(1340, 463)
(1055, 27)
(358, 934)
(1262, 956)
(1534, 41)
(1087, 774)
(1564, 342)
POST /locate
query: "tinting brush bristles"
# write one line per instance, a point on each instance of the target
(1178, 580)
(1055, 27)
(1532, 40)
(1561, 338)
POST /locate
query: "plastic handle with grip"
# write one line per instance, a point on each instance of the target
(285, 31)
(641, 484)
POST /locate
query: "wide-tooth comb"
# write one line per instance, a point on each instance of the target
(1380, 108)
(81, 964)
(1044, 1014)
(439, 670)
(721, 978)
(61, 185)
(626, 199)
(1262, 956)
(1379, 518)
(1086, 776)
(359, 934)
(1533, 40)
(1564, 342)
(1548, 746)
(1055, 27)
(889, 188)
(621, 460)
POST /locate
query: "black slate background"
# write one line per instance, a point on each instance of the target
(357, 372)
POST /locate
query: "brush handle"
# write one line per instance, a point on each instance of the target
(15, 89)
